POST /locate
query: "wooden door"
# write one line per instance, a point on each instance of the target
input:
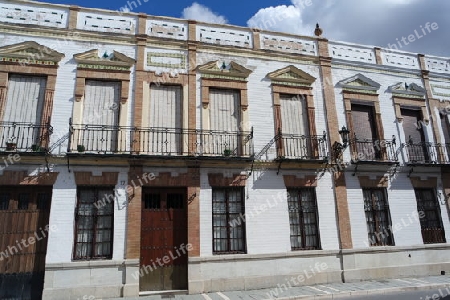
(24, 215)
(163, 240)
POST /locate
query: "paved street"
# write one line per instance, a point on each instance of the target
(420, 288)
(442, 294)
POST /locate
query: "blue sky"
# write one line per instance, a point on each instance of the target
(383, 23)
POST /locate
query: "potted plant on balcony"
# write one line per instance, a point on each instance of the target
(226, 152)
(10, 144)
(81, 148)
(37, 148)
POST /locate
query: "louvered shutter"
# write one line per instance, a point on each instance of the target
(294, 121)
(24, 104)
(224, 122)
(165, 119)
(365, 133)
(100, 111)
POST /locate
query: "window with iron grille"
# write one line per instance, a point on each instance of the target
(430, 216)
(4, 201)
(228, 220)
(378, 217)
(94, 219)
(303, 219)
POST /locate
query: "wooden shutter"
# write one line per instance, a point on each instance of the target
(165, 106)
(165, 120)
(100, 109)
(25, 99)
(445, 128)
(101, 100)
(417, 150)
(363, 122)
(224, 111)
(412, 125)
(294, 118)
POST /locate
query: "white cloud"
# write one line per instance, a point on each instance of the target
(202, 13)
(364, 22)
(280, 18)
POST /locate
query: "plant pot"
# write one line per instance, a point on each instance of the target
(11, 146)
(37, 148)
(81, 148)
(226, 152)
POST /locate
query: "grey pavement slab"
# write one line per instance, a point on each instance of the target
(319, 291)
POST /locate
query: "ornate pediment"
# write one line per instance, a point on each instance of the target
(359, 82)
(407, 90)
(94, 59)
(222, 70)
(291, 76)
(30, 53)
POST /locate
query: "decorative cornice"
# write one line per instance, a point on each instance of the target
(30, 53)
(359, 82)
(402, 89)
(93, 60)
(291, 75)
(230, 71)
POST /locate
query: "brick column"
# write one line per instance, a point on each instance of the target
(378, 56)
(73, 16)
(193, 191)
(340, 189)
(432, 103)
(256, 39)
(133, 232)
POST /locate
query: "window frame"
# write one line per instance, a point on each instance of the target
(301, 224)
(93, 243)
(386, 209)
(228, 220)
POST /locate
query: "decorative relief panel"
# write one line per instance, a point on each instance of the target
(288, 44)
(33, 15)
(106, 23)
(159, 60)
(440, 91)
(351, 53)
(438, 65)
(400, 60)
(224, 36)
(167, 29)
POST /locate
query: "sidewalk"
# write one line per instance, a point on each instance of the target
(321, 291)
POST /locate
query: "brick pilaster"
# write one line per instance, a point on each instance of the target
(73, 16)
(432, 103)
(340, 189)
(133, 233)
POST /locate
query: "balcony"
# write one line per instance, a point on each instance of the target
(302, 147)
(167, 142)
(427, 153)
(24, 137)
(373, 151)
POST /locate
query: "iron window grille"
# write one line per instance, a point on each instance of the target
(430, 213)
(228, 220)
(94, 220)
(303, 219)
(378, 217)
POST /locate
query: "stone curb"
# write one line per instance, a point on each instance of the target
(366, 292)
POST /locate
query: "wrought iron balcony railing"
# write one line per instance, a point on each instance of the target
(159, 141)
(24, 137)
(291, 146)
(367, 150)
(428, 153)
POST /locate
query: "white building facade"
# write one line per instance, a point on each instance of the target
(145, 154)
